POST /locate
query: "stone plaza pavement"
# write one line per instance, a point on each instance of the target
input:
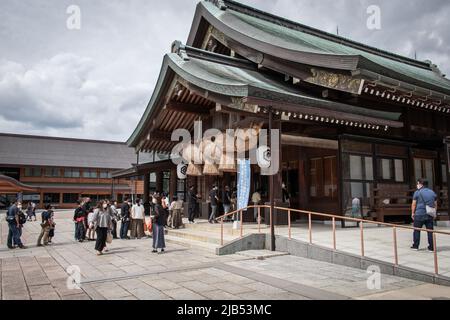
(130, 271)
(378, 242)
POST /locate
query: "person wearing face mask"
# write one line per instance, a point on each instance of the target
(14, 225)
(102, 224)
(137, 222)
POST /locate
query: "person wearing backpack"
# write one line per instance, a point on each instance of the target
(45, 226)
(160, 220)
(14, 217)
(424, 207)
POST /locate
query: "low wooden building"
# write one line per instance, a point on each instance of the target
(358, 124)
(60, 171)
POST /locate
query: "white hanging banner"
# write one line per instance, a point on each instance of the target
(181, 171)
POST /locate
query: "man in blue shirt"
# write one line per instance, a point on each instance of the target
(423, 197)
(12, 217)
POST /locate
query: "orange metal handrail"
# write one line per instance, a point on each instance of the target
(333, 218)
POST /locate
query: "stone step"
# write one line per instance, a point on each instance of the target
(227, 228)
(209, 247)
(200, 235)
(261, 254)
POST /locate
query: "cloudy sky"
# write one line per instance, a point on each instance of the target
(95, 82)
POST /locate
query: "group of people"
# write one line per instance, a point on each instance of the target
(16, 219)
(104, 219)
(227, 201)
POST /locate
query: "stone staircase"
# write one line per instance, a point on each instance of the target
(203, 235)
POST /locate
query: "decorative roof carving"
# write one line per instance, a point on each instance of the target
(335, 81)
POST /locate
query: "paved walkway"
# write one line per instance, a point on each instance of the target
(378, 242)
(130, 271)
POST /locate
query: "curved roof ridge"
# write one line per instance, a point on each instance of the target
(245, 9)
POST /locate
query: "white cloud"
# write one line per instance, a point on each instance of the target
(96, 82)
(60, 95)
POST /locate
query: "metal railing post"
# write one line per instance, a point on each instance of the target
(289, 224)
(395, 246)
(436, 267)
(334, 218)
(271, 218)
(259, 219)
(221, 231)
(361, 227)
(310, 228)
(242, 226)
(334, 233)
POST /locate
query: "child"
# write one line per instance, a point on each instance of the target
(91, 230)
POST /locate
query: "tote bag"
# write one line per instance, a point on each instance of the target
(431, 211)
(109, 237)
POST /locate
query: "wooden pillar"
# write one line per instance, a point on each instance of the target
(159, 181)
(173, 182)
(447, 155)
(277, 191)
(146, 196)
(302, 173)
(41, 200)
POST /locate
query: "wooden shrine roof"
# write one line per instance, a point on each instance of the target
(292, 41)
(194, 81)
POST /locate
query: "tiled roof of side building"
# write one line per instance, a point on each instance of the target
(27, 150)
(293, 37)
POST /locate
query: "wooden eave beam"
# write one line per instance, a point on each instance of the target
(188, 108)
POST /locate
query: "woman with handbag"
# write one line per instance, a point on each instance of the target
(103, 225)
(160, 220)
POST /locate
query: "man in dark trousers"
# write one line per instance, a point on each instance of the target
(125, 217)
(79, 218)
(14, 225)
(86, 206)
(192, 204)
(226, 198)
(422, 198)
(214, 202)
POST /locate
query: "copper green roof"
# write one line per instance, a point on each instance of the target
(292, 41)
(225, 79)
